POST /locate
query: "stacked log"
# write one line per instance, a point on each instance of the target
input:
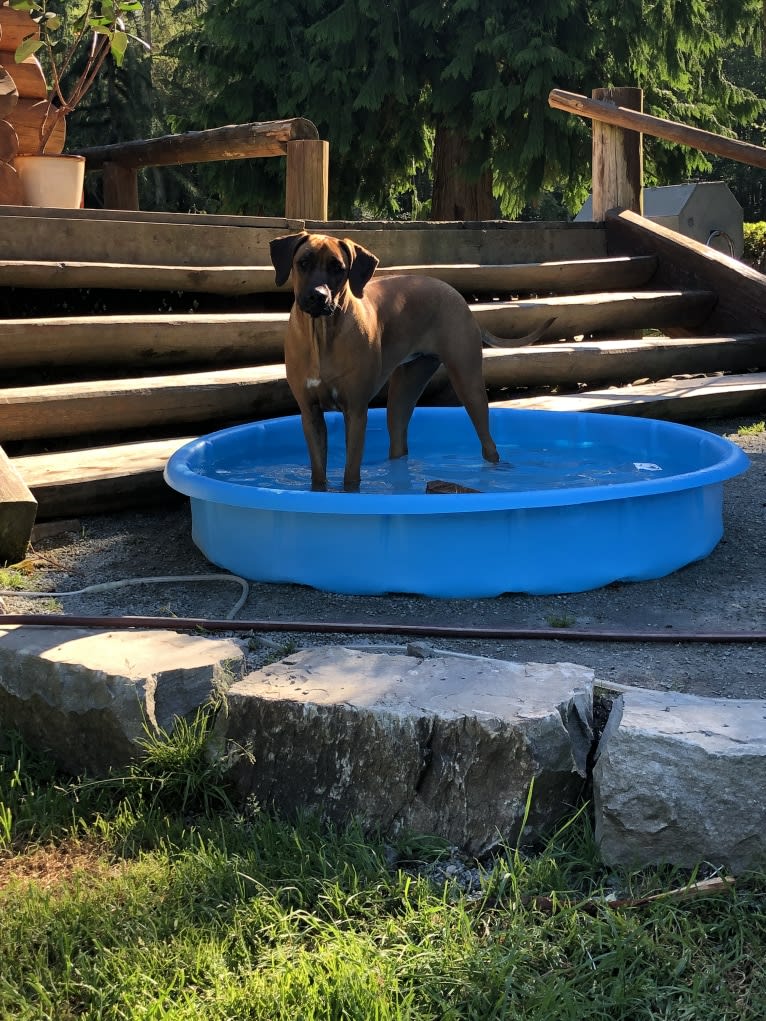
(23, 103)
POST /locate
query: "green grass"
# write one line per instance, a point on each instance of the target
(754, 429)
(160, 900)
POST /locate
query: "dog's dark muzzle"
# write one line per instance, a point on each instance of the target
(317, 302)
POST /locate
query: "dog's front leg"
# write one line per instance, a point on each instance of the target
(355, 420)
(315, 432)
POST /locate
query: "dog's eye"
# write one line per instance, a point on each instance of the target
(336, 266)
(304, 262)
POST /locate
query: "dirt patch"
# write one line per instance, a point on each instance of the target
(724, 592)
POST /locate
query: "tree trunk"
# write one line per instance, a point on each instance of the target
(455, 196)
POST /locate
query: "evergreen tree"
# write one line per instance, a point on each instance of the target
(398, 86)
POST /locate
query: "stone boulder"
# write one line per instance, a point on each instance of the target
(90, 697)
(681, 779)
(444, 745)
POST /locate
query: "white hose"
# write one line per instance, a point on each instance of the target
(107, 585)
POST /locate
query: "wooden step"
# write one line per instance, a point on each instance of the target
(78, 409)
(99, 479)
(78, 236)
(571, 277)
(620, 361)
(680, 400)
(108, 478)
(608, 313)
(147, 342)
(151, 342)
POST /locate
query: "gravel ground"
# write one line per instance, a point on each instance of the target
(725, 592)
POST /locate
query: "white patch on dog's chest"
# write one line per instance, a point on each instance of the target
(312, 383)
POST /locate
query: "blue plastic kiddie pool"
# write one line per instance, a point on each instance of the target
(578, 501)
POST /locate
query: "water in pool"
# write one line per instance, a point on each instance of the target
(558, 466)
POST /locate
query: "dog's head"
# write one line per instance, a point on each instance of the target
(321, 267)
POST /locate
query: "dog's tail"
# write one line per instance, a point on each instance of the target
(529, 338)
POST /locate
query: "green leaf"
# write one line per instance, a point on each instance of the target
(27, 47)
(119, 46)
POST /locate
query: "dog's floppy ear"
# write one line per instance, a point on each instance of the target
(361, 266)
(282, 251)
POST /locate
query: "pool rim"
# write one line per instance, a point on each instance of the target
(185, 479)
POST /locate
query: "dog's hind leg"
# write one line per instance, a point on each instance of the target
(407, 383)
(472, 394)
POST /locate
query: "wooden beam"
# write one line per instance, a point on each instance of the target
(77, 409)
(621, 361)
(146, 342)
(235, 141)
(120, 186)
(686, 400)
(671, 131)
(174, 239)
(79, 482)
(98, 479)
(578, 276)
(18, 509)
(307, 179)
(685, 263)
(611, 312)
(618, 163)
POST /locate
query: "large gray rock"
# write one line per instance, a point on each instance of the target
(90, 697)
(444, 745)
(681, 779)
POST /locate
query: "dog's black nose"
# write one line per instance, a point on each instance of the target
(318, 301)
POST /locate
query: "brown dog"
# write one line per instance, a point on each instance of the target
(349, 334)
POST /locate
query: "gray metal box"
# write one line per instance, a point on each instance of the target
(704, 210)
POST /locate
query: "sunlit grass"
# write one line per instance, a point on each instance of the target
(160, 900)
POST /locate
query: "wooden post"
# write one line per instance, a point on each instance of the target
(18, 509)
(308, 175)
(617, 158)
(120, 186)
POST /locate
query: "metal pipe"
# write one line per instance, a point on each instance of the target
(668, 635)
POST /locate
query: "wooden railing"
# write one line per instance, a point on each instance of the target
(297, 139)
(617, 149)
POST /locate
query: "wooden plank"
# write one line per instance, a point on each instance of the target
(171, 243)
(686, 263)
(621, 361)
(307, 179)
(18, 509)
(120, 186)
(672, 131)
(109, 478)
(98, 479)
(680, 400)
(493, 244)
(173, 239)
(571, 277)
(149, 342)
(150, 216)
(234, 141)
(573, 315)
(77, 409)
(143, 342)
(617, 163)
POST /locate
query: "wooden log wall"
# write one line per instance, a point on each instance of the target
(29, 113)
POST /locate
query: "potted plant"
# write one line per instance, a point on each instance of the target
(99, 28)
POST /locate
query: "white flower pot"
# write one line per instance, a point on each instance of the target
(53, 181)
